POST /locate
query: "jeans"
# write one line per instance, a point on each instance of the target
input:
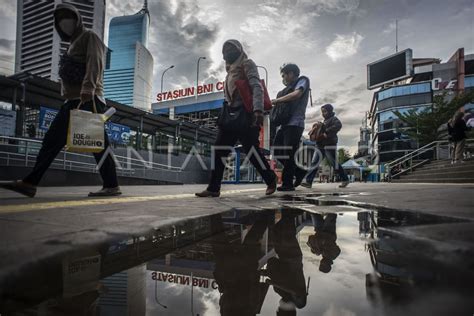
(55, 139)
(328, 152)
(289, 137)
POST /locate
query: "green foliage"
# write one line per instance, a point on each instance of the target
(343, 155)
(424, 126)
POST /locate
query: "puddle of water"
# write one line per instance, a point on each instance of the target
(276, 262)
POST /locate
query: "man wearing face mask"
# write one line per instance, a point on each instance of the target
(327, 147)
(287, 138)
(81, 71)
(240, 67)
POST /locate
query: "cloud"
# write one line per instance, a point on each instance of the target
(332, 6)
(344, 46)
(179, 34)
(390, 28)
(7, 44)
(7, 56)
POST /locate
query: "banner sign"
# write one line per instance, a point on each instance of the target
(118, 134)
(47, 116)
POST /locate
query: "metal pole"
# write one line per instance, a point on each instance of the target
(162, 75)
(396, 36)
(197, 75)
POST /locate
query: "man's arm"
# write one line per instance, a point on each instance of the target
(295, 95)
(94, 66)
(301, 87)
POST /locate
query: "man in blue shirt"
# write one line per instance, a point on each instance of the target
(287, 138)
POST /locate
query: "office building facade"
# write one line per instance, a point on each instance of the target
(430, 77)
(38, 46)
(129, 69)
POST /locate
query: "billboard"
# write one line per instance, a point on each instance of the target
(7, 122)
(118, 134)
(389, 69)
(46, 117)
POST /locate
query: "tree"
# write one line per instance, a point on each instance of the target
(343, 155)
(424, 125)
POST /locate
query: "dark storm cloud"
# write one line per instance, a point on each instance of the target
(179, 38)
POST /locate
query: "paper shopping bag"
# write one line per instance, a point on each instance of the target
(85, 132)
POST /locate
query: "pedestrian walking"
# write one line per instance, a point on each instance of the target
(292, 101)
(457, 131)
(81, 72)
(235, 124)
(326, 147)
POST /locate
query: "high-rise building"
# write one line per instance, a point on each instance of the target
(129, 70)
(38, 46)
(430, 77)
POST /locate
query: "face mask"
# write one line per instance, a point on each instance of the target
(231, 57)
(68, 26)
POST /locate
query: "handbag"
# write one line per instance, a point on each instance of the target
(85, 131)
(233, 119)
(316, 133)
(243, 87)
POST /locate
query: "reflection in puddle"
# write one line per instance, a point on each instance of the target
(276, 262)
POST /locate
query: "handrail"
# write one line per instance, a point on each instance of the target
(417, 152)
(412, 153)
(132, 162)
(420, 151)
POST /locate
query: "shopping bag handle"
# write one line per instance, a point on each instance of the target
(94, 108)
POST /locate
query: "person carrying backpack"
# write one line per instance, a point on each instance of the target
(457, 131)
(292, 101)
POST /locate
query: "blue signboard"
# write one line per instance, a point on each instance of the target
(118, 134)
(47, 116)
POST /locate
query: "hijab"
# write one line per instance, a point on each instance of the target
(234, 70)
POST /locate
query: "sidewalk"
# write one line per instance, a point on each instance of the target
(59, 220)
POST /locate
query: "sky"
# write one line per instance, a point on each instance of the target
(332, 41)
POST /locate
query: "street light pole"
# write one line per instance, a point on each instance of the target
(162, 75)
(266, 75)
(197, 75)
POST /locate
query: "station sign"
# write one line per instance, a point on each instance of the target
(190, 91)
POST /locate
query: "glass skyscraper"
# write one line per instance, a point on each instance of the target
(129, 69)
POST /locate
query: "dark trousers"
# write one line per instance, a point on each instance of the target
(249, 140)
(288, 139)
(329, 153)
(55, 139)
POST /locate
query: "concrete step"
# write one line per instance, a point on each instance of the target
(441, 175)
(444, 165)
(447, 180)
(453, 168)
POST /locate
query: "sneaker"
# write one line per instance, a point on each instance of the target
(307, 185)
(298, 181)
(106, 192)
(207, 193)
(19, 186)
(285, 188)
(271, 188)
(344, 184)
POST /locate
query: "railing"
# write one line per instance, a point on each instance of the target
(439, 149)
(22, 152)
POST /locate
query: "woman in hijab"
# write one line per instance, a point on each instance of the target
(240, 67)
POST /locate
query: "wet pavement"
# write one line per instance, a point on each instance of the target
(327, 253)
